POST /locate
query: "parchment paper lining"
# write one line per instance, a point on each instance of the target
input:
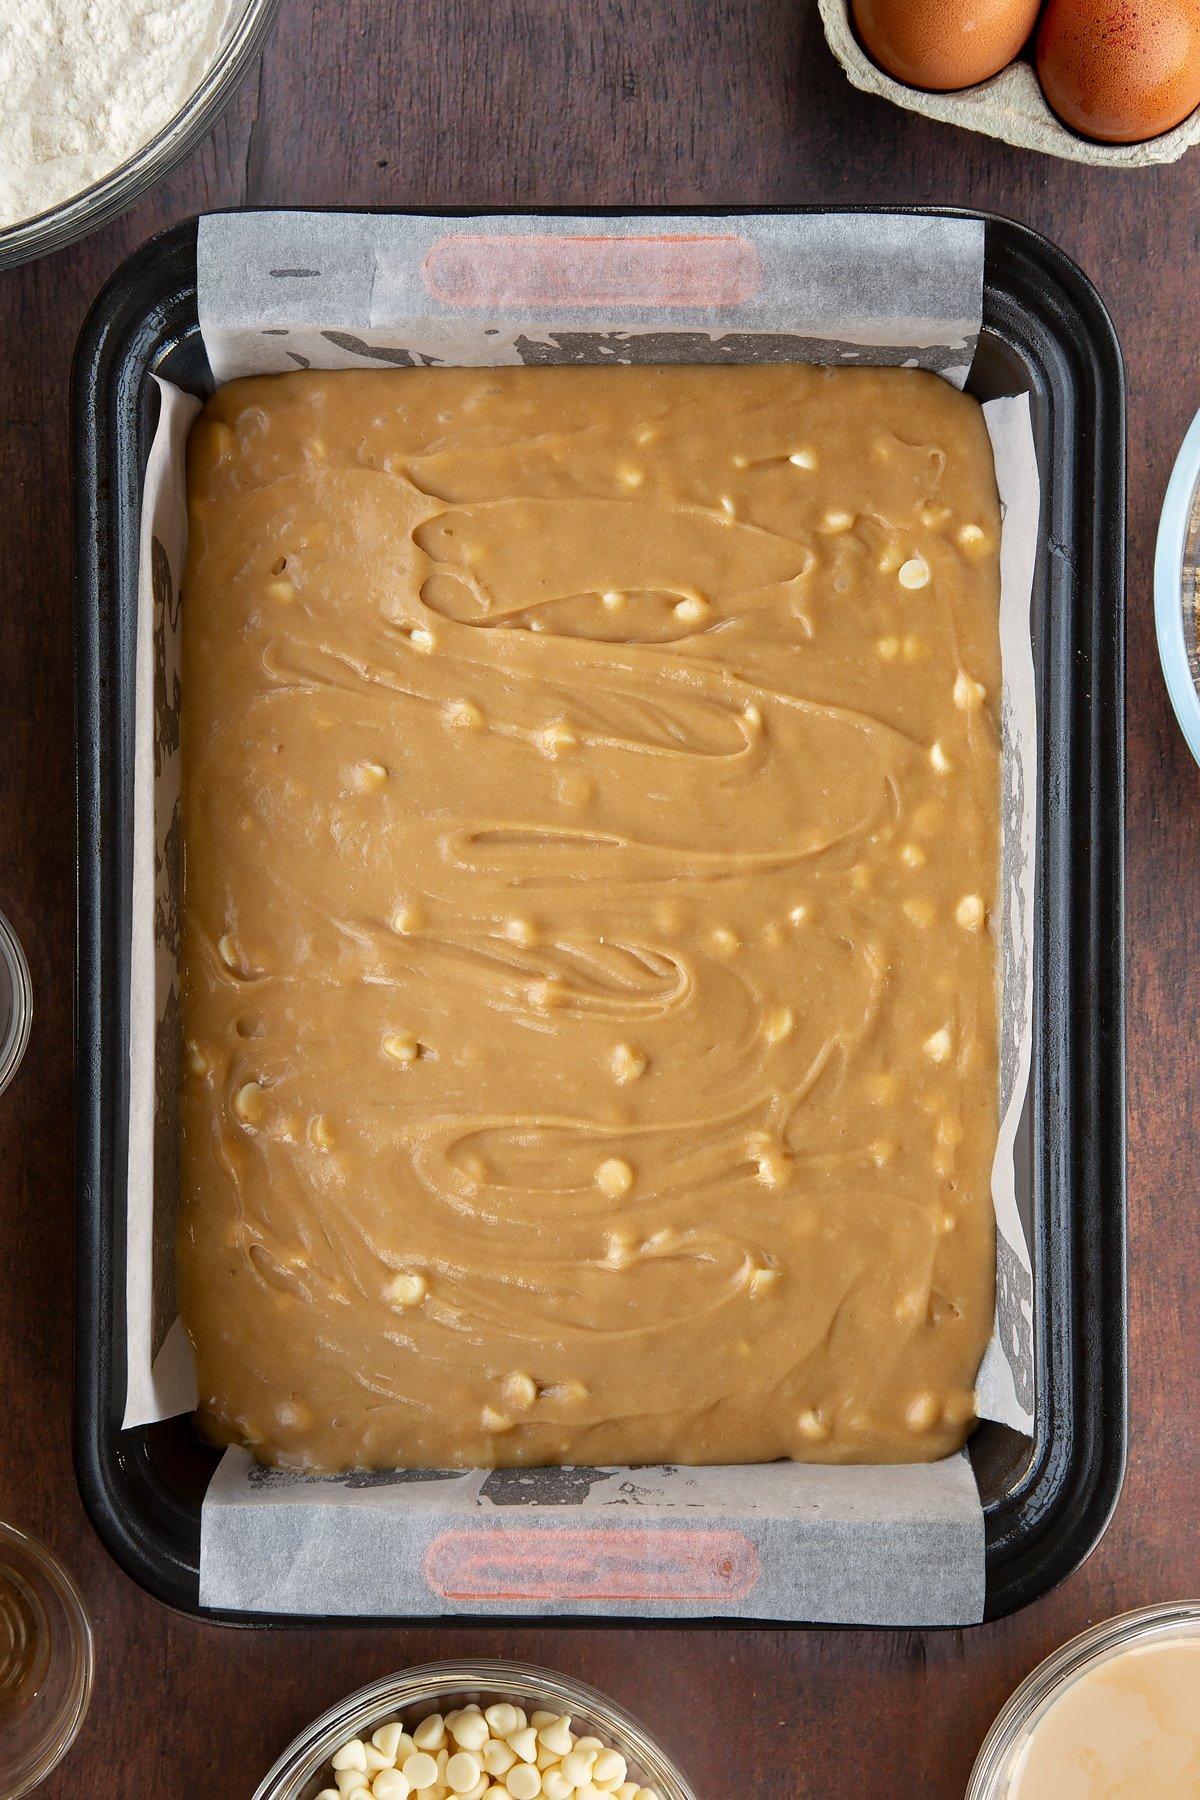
(871, 1546)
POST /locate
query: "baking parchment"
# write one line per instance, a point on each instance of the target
(281, 291)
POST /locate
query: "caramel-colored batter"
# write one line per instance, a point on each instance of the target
(591, 808)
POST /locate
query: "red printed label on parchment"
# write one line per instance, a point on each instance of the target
(538, 1563)
(533, 270)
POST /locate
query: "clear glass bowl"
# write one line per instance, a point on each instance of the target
(16, 1003)
(1000, 1756)
(245, 31)
(412, 1694)
(46, 1662)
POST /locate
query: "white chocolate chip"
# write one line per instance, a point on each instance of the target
(521, 1391)
(773, 1167)
(967, 693)
(376, 1761)
(627, 1064)
(547, 994)
(407, 1290)
(923, 1412)
(407, 919)
(613, 600)
(914, 573)
(521, 931)
(631, 475)
(352, 1755)
(803, 458)
(888, 649)
(813, 1425)
(727, 505)
(933, 516)
(430, 1734)
(778, 1024)
(576, 1765)
(320, 1132)
(761, 1281)
(538, 1719)
(615, 1177)
(230, 953)
(386, 1739)
(524, 1782)
(495, 1422)
(371, 775)
(726, 941)
(691, 610)
(837, 522)
(464, 715)
(972, 539)
(524, 1743)
(557, 1736)
(558, 736)
(798, 914)
(281, 591)
(555, 1785)
(970, 912)
(609, 1765)
(391, 1784)
(937, 1048)
(913, 855)
(351, 1781)
(421, 638)
(420, 1770)
(248, 1103)
(462, 1770)
(752, 715)
(401, 1047)
(939, 759)
(498, 1759)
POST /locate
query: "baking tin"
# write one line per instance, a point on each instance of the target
(1045, 333)
(998, 1756)
(413, 1694)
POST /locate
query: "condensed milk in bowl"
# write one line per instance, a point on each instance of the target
(1113, 1715)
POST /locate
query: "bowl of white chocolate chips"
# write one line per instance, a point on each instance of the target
(475, 1731)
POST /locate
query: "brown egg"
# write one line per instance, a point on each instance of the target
(943, 44)
(1120, 70)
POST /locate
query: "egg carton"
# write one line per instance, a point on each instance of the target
(1008, 106)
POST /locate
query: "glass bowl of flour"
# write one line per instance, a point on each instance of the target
(99, 98)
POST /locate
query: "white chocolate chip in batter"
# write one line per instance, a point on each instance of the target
(320, 1132)
(521, 1391)
(913, 855)
(248, 1103)
(914, 573)
(630, 474)
(778, 1024)
(973, 539)
(465, 715)
(423, 639)
(813, 1424)
(557, 737)
(888, 649)
(924, 1411)
(370, 775)
(804, 458)
(919, 911)
(725, 941)
(401, 1046)
(407, 1289)
(613, 600)
(835, 523)
(938, 1046)
(281, 591)
(407, 919)
(548, 994)
(934, 516)
(939, 759)
(496, 1422)
(521, 931)
(692, 609)
(627, 1064)
(970, 912)
(615, 1177)
(967, 693)
(774, 1167)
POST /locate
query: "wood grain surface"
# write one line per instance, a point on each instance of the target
(397, 102)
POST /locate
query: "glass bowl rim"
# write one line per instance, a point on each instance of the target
(14, 1034)
(1057, 1671)
(41, 233)
(79, 1693)
(432, 1681)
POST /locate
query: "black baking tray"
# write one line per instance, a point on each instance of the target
(1045, 333)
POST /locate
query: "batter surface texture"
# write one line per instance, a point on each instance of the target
(591, 809)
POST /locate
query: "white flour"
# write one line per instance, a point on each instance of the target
(85, 83)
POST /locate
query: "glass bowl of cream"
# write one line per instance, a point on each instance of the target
(100, 98)
(1113, 1715)
(434, 1692)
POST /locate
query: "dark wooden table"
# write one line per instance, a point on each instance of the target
(398, 102)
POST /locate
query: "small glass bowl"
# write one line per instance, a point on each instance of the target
(16, 1003)
(412, 1694)
(46, 1662)
(1005, 1743)
(245, 33)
